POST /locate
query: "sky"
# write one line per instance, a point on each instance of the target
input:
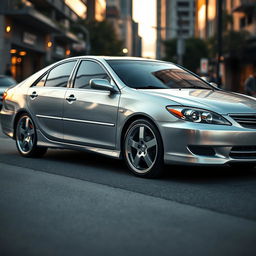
(144, 12)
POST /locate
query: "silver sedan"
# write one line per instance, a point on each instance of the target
(145, 111)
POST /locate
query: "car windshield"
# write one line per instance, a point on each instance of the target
(155, 75)
(6, 82)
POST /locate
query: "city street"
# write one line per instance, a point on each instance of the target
(75, 203)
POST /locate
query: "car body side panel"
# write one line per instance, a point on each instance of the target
(92, 118)
(14, 103)
(47, 110)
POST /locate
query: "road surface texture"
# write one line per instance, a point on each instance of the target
(76, 203)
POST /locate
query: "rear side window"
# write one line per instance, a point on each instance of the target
(41, 82)
(88, 70)
(58, 76)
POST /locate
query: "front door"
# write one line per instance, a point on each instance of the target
(90, 115)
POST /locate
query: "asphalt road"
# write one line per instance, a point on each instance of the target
(76, 203)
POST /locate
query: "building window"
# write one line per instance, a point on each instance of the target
(242, 22)
(181, 23)
(183, 4)
(183, 32)
(249, 18)
(182, 13)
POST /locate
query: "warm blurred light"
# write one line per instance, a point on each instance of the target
(201, 17)
(125, 50)
(19, 60)
(221, 58)
(22, 53)
(12, 51)
(78, 7)
(49, 44)
(100, 10)
(27, 3)
(67, 52)
(14, 60)
(211, 9)
(8, 28)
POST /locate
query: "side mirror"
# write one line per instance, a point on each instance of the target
(102, 84)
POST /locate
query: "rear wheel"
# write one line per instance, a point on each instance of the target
(26, 139)
(143, 149)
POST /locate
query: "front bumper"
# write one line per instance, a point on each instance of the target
(223, 144)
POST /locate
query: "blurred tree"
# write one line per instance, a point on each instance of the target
(234, 44)
(103, 39)
(195, 49)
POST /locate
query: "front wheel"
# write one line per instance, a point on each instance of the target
(26, 139)
(143, 149)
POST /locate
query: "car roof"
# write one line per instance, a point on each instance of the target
(113, 58)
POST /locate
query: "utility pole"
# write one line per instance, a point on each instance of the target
(180, 41)
(159, 30)
(219, 39)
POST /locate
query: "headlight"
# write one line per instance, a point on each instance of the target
(196, 115)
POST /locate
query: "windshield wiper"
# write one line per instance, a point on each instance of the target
(150, 87)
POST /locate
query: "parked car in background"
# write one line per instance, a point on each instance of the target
(5, 82)
(148, 112)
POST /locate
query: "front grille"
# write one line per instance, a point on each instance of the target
(240, 152)
(246, 120)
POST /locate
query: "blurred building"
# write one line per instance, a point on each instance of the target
(175, 19)
(180, 18)
(96, 10)
(206, 23)
(126, 24)
(113, 15)
(34, 33)
(119, 13)
(161, 27)
(136, 40)
(238, 16)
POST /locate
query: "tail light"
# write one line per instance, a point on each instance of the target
(4, 95)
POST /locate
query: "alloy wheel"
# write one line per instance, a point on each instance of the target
(141, 148)
(25, 135)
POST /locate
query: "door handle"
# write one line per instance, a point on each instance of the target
(33, 95)
(71, 98)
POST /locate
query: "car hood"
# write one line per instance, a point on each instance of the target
(215, 100)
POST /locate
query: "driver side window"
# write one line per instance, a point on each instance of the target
(88, 70)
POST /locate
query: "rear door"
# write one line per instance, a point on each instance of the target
(46, 97)
(90, 115)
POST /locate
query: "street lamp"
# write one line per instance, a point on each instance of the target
(125, 51)
(8, 29)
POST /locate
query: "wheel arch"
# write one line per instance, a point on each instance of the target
(132, 119)
(16, 118)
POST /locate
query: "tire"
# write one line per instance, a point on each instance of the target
(143, 149)
(26, 138)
